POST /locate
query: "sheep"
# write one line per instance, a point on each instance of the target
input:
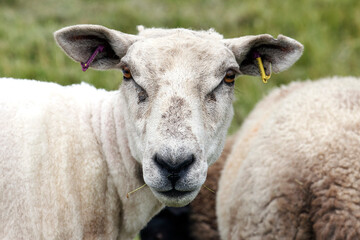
(294, 169)
(196, 221)
(69, 155)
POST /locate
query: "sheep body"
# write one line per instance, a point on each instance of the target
(294, 169)
(54, 141)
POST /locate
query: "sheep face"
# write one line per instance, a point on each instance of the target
(179, 109)
(177, 91)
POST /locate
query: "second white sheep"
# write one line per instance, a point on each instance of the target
(294, 172)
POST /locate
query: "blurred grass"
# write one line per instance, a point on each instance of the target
(329, 29)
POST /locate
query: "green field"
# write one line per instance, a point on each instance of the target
(329, 29)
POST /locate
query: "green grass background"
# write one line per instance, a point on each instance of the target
(329, 29)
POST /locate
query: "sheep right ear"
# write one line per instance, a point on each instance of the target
(80, 41)
(280, 53)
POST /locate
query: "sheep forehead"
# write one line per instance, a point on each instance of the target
(182, 53)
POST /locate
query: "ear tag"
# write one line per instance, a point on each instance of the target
(264, 77)
(86, 65)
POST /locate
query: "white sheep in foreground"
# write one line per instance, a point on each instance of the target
(294, 172)
(69, 155)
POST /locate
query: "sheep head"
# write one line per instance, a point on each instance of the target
(178, 90)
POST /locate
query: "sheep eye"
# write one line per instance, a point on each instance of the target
(141, 93)
(126, 73)
(229, 77)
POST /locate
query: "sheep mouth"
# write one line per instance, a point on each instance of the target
(175, 198)
(175, 193)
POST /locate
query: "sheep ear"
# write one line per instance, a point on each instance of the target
(80, 41)
(281, 53)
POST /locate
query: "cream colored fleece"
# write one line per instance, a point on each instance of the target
(294, 172)
(55, 182)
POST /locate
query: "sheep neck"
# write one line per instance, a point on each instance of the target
(124, 171)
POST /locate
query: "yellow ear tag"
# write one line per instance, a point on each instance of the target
(264, 77)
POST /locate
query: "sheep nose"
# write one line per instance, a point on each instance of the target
(174, 168)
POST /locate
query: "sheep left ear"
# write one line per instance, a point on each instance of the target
(281, 53)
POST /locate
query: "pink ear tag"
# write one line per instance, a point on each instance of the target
(86, 65)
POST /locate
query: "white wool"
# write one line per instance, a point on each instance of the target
(294, 169)
(160, 32)
(55, 180)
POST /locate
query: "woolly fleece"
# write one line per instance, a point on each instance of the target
(55, 182)
(294, 172)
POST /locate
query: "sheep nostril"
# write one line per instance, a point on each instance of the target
(188, 161)
(159, 161)
(174, 166)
